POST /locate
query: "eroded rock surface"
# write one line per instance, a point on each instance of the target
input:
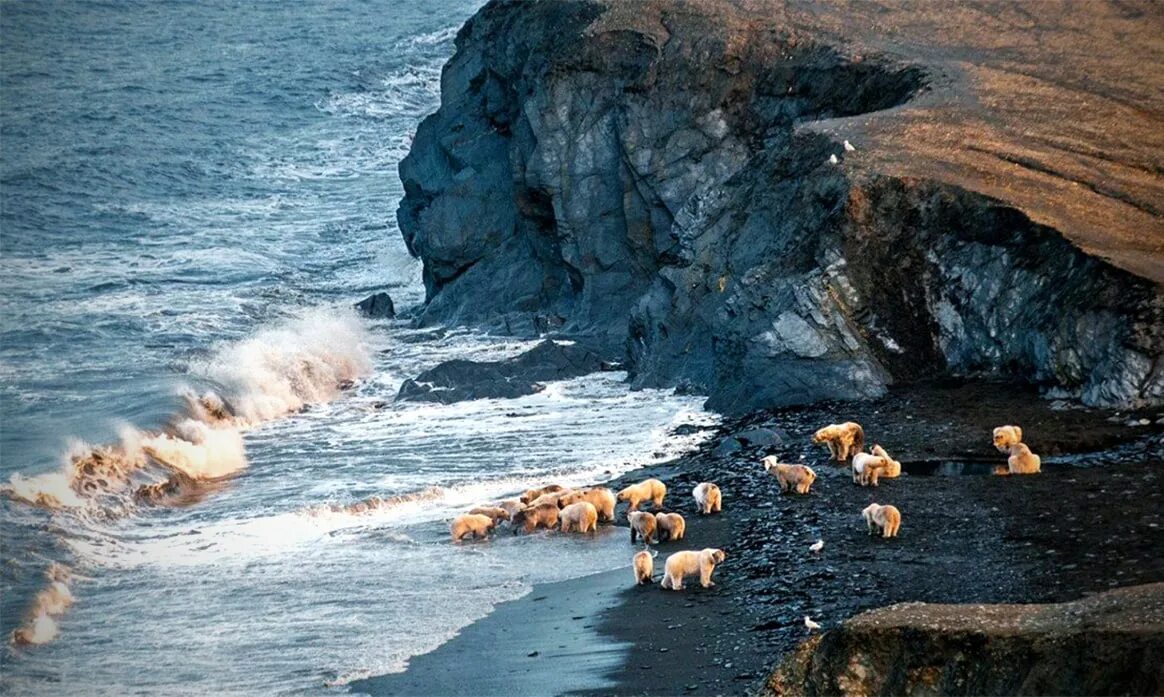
(656, 177)
(1107, 644)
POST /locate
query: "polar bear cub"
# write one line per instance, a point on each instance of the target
(689, 563)
(798, 477)
(1006, 436)
(471, 524)
(642, 525)
(708, 497)
(670, 526)
(644, 567)
(867, 468)
(842, 439)
(582, 515)
(647, 490)
(600, 496)
(894, 466)
(1022, 460)
(887, 519)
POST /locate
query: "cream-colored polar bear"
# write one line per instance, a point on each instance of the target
(1006, 436)
(887, 519)
(510, 506)
(797, 477)
(532, 494)
(893, 469)
(642, 525)
(670, 526)
(533, 517)
(600, 496)
(708, 497)
(842, 439)
(471, 524)
(644, 567)
(582, 515)
(1022, 460)
(553, 498)
(497, 513)
(867, 468)
(689, 563)
(647, 490)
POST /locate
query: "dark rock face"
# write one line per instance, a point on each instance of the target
(377, 306)
(459, 380)
(1108, 644)
(643, 173)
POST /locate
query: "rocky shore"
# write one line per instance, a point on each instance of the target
(931, 220)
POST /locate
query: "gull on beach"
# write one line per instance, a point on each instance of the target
(810, 624)
(849, 147)
(817, 546)
(833, 159)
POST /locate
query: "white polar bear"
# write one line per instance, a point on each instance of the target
(708, 497)
(689, 563)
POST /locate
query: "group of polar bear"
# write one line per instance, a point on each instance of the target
(582, 509)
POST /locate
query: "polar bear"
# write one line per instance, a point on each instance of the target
(510, 506)
(497, 513)
(582, 515)
(531, 494)
(689, 563)
(471, 524)
(867, 468)
(642, 525)
(1022, 460)
(670, 526)
(602, 498)
(842, 439)
(887, 519)
(41, 630)
(1006, 436)
(644, 567)
(798, 477)
(553, 498)
(55, 599)
(893, 469)
(648, 489)
(533, 517)
(708, 498)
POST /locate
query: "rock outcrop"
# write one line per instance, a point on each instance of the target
(460, 380)
(1108, 644)
(670, 179)
(377, 306)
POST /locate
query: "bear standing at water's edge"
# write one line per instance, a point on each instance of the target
(647, 490)
(689, 563)
(581, 515)
(471, 524)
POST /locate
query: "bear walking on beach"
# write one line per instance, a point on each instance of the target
(790, 477)
(530, 519)
(644, 564)
(642, 525)
(671, 526)
(647, 490)
(581, 515)
(886, 519)
(708, 497)
(471, 524)
(842, 440)
(689, 563)
(600, 496)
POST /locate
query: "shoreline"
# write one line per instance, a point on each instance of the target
(1090, 522)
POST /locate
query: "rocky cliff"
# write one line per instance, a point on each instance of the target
(670, 181)
(1108, 644)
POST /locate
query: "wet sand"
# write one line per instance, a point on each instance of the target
(1093, 520)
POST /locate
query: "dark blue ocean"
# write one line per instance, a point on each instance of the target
(192, 195)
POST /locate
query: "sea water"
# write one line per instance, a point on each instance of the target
(192, 195)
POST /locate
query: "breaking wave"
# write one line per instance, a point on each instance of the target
(280, 370)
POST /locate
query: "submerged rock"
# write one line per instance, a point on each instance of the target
(460, 380)
(1107, 644)
(655, 176)
(377, 306)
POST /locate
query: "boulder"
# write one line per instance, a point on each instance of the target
(377, 306)
(1107, 644)
(459, 380)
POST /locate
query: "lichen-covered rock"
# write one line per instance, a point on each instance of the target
(655, 176)
(1108, 644)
